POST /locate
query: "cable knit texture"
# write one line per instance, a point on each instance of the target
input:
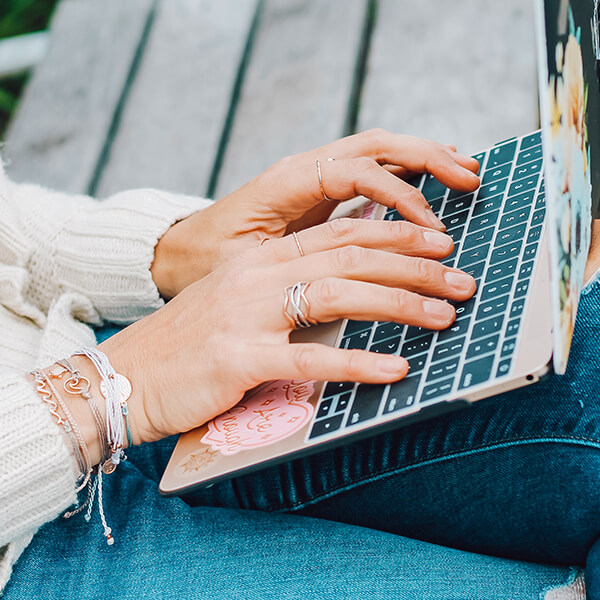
(66, 262)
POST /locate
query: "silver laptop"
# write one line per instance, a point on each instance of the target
(524, 236)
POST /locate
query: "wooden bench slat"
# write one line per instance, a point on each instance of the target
(461, 72)
(297, 87)
(172, 124)
(59, 131)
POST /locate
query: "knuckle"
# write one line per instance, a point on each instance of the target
(354, 362)
(425, 271)
(327, 291)
(400, 301)
(304, 358)
(410, 233)
(340, 229)
(363, 164)
(348, 258)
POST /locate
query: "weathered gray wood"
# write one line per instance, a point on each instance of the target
(461, 72)
(297, 88)
(172, 124)
(62, 122)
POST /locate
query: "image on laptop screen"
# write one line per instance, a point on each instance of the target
(570, 123)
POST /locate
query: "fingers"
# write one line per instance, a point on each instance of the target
(392, 236)
(334, 298)
(384, 268)
(322, 363)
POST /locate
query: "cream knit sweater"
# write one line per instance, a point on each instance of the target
(65, 262)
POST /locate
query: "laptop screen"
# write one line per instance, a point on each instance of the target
(569, 55)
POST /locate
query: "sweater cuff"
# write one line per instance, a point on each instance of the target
(37, 479)
(105, 250)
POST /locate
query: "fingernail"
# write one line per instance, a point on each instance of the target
(391, 364)
(438, 309)
(437, 238)
(460, 281)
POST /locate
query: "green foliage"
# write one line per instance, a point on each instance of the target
(18, 17)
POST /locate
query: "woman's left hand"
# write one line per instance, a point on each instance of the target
(287, 197)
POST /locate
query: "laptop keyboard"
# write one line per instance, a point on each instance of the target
(496, 232)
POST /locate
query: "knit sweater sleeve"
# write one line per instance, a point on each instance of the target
(37, 479)
(101, 249)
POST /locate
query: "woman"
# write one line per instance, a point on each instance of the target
(69, 261)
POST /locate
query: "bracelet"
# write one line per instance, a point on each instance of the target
(116, 389)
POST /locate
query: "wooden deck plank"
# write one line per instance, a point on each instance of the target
(297, 88)
(172, 124)
(59, 131)
(461, 72)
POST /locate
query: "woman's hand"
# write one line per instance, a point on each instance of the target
(287, 197)
(225, 334)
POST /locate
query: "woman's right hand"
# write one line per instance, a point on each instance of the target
(197, 356)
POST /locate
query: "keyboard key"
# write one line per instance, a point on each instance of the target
(487, 327)
(515, 217)
(480, 222)
(443, 369)
(456, 220)
(417, 346)
(358, 341)
(502, 270)
(497, 173)
(476, 371)
(535, 139)
(464, 309)
(457, 329)
(526, 269)
(487, 205)
(325, 426)
(508, 347)
(521, 289)
(478, 238)
(504, 367)
(475, 271)
(324, 408)
(530, 168)
(516, 310)
(540, 201)
(497, 288)
(492, 307)
(470, 257)
(501, 155)
(366, 402)
(417, 363)
(519, 201)
(451, 258)
(538, 217)
(457, 204)
(448, 349)
(413, 332)
(333, 388)
(432, 188)
(492, 189)
(523, 185)
(456, 234)
(383, 331)
(530, 251)
(484, 346)
(480, 158)
(535, 233)
(513, 327)
(386, 347)
(355, 326)
(437, 389)
(510, 235)
(343, 402)
(393, 215)
(402, 394)
(506, 252)
(529, 155)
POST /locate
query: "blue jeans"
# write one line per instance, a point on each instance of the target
(493, 501)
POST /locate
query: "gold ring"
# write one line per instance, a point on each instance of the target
(298, 243)
(325, 197)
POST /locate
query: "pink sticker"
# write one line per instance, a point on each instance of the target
(273, 412)
(368, 210)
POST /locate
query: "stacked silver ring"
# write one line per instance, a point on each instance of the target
(296, 305)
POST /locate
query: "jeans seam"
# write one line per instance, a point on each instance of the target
(573, 440)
